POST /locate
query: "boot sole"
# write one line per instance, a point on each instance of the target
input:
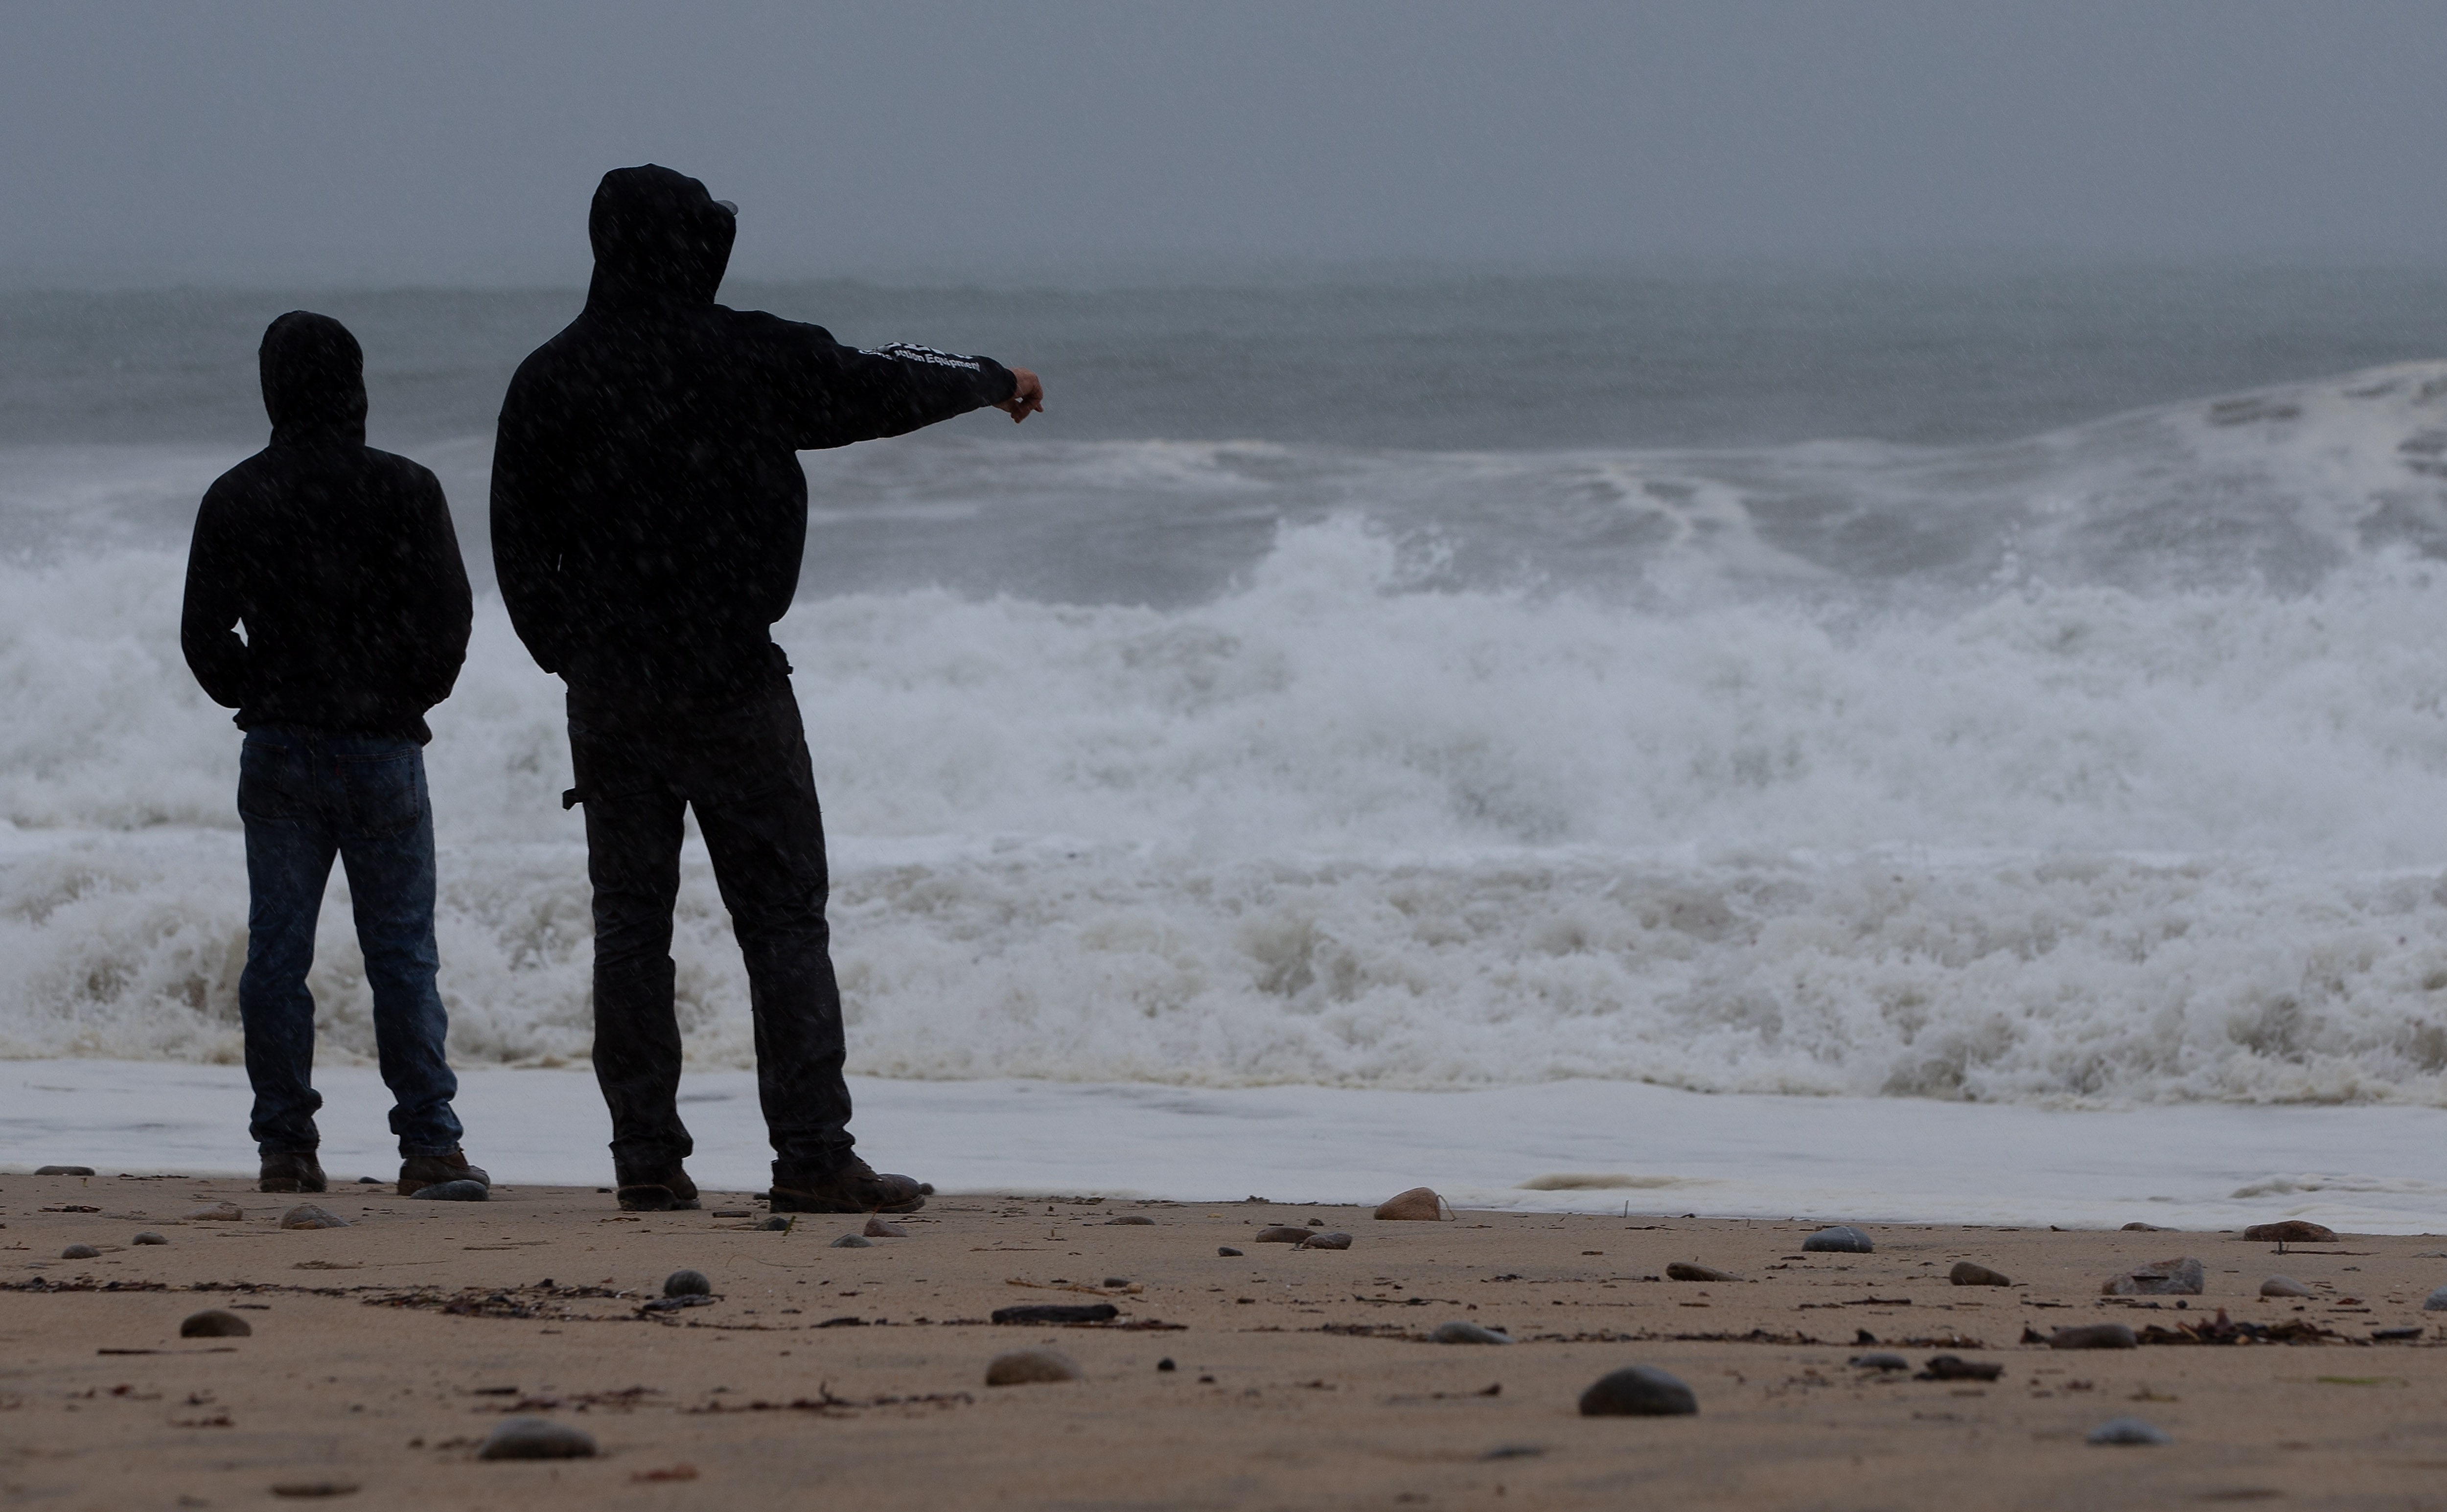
(656, 1199)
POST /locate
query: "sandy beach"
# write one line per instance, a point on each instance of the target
(383, 1353)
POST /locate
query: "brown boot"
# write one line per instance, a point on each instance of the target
(292, 1171)
(656, 1191)
(416, 1172)
(852, 1188)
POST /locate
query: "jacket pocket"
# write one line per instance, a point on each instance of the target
(386, 794)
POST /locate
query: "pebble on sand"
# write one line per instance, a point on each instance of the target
(1130, 1221)
(1282, 1234)
(1326, 1240)
(80, 1252)
(1842, 1239)
(1879, 1361)
(853, 1242)
(878, 1229)
(687, 1283)
(1419, 1204)
(1955, 1368)
(535, 1438)
(454, 1192)
(1967, 1273)
(2147, 1228)
(1638, 1390)
(216, 1212)
(1026, 1367)
(1684, 1271)
(777, 1225)
(2094, 1336)
(1226, 1250)
(148, 1236)
(307, 1216)
(214, 1323)
(2293, 1231)
(2435, 1301)
(1460, 1332)
(2183, 1276)
(62, 1170)
(2285, 1286)
(2129, 1430)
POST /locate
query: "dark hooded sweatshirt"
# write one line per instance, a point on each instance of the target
(649, 512)
(339, 559)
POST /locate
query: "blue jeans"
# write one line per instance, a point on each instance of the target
(307, 796)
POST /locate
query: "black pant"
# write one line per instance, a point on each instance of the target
(745, 769)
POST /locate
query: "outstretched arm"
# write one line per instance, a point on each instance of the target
(837, 395)
(1026, 396)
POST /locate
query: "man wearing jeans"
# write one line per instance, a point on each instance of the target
(341, 562)
(649, 516)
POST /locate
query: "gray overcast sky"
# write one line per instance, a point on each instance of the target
(433, 142)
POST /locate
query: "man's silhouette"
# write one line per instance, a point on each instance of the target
(649, 518)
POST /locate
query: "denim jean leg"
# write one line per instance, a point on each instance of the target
(391, 885)
(632, 860)
(289, 852)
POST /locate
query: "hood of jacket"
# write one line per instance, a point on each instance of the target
(658, 236)
(314, 381)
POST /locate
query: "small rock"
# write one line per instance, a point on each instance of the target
(1165, 1363)
(2094, 1336)
(878, 1229)
(1967, 1273)
(2293, 1231)
(465, 1192)
(776, 1224)
(1684, 1271)
(1317, 1223)
(1226, 1250)
(307, 1216)
(1459, 1332)
(535, 1438)
(369, 1181)
(312, 1489)
(148, 1236)
(80, 1252)
(1879, 1361)
(2147, 1228)
(1057, 1313)
(2285, 1286)
(1955, 1368)
(1130, 1221)
(213, 1323)
(687, 1283)
(1026, 1367)
(1333, 1239)
(1638, 1390)
(2435, 1301)
(2129, 1430)
(1117, 1282)
(853, 1242)
(62, 1170)
(734, 1212)
(218, 1213)
(2177, 1277)
(1282, 1234)
(1842, 1239)
(1419, 1204)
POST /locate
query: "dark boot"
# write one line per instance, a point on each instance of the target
(292, 1171)
(656, 1191)
(417, 1172)
(852, 1188)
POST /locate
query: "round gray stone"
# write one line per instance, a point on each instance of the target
(687, 1283)
(2435, 1301)
(1226, 1250)
(80, 1252)
(1460, 1332)
(853, 1242)
(213, 1323)
(1841, 1239)
(461, 1192)
(2129, 1430)
(148, 1236)
(62, 1170)
(535, 1438)
(307, 1216)
(1638, 1390)
(2285, 1286)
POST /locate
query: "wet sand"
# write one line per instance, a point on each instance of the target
(382, 1354)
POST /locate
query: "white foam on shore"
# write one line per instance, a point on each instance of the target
(2373, 1170)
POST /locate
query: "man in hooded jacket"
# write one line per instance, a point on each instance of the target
(341, 562)
(649, 518)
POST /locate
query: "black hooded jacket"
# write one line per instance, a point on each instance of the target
(339, 559)
(648, 511)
